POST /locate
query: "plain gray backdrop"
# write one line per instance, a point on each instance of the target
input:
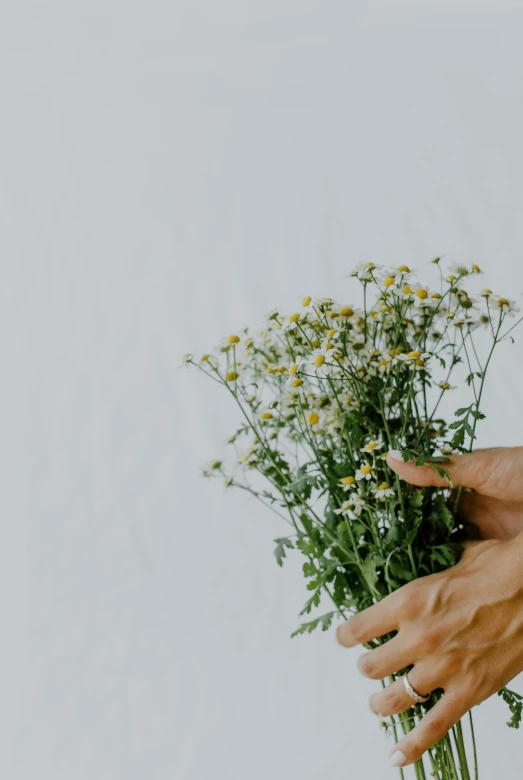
(170, 172)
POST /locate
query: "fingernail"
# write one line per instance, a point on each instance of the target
(395, 455)
(398, 759)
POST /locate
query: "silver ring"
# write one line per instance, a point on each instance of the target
(412, 693)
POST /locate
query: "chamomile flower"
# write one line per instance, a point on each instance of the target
(357, 503)
(344, 509)
(347, 483)
(295, 385)
(410, 357)
(458, 271)
(372, 446)
(446, 386)
(291, 322)
(364, 472)
(383, 491)
(353, 506)
(507, 306)
(319, 362)
(365, 272)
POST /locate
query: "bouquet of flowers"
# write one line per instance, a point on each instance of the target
(323, 394)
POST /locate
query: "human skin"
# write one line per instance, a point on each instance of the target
(461, 629)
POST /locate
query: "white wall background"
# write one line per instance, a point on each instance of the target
(170, 171)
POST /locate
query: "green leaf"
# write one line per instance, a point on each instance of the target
(515, 705)
(324, 620)
(309, 569)
(441, 472)
(368, 567)
(279, 550)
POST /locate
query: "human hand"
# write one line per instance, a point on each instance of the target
(461, 629)
(493, 477)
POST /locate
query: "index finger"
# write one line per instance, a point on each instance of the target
(375, 621)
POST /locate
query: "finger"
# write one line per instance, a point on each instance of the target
(373, 622)
(492, 518)
(387, 659)
(497, 472)
(433, 727)
(394, 699)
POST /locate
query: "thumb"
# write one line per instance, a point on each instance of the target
(495, 472)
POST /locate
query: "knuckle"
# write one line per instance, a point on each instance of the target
(393, 698)
(410, 600)
(344, 633)
(367, 666)
(435, 726)
(355, 629)
(429, 639)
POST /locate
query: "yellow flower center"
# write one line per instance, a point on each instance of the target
(366, 469)
(476, 269)
(232, 376)
(486, 291)
(420, 362)
(444, 385)
(414, 354)
(233, 339)
(204, 358)
(306, 301)
(314, 419)
(503, 302)
(293, 369)
(315, 344)
(383, 362)
(404, 269)
(452, 278)
(348, 480)
(384, 486)
(371, 445)
(332, 332)
(294, 318)
(349, 399)
(346, 311)
(328, 345)
(397, 351)
(408, 290)
(297, 382)
(422, 294)
(435, 295)
(319, 360)
(266, 416)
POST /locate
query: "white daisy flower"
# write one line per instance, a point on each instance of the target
(507, 306)
(344, 509)
(357, 503)
(295, 384)
(446, 386)
(365, 472)
(319, 362)
(347, 483)
(372, 446)
(410, 357)
(291, 322)
(457, 271)
(365, 272)
(383, 491)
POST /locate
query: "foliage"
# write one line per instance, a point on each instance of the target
(325, 393)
